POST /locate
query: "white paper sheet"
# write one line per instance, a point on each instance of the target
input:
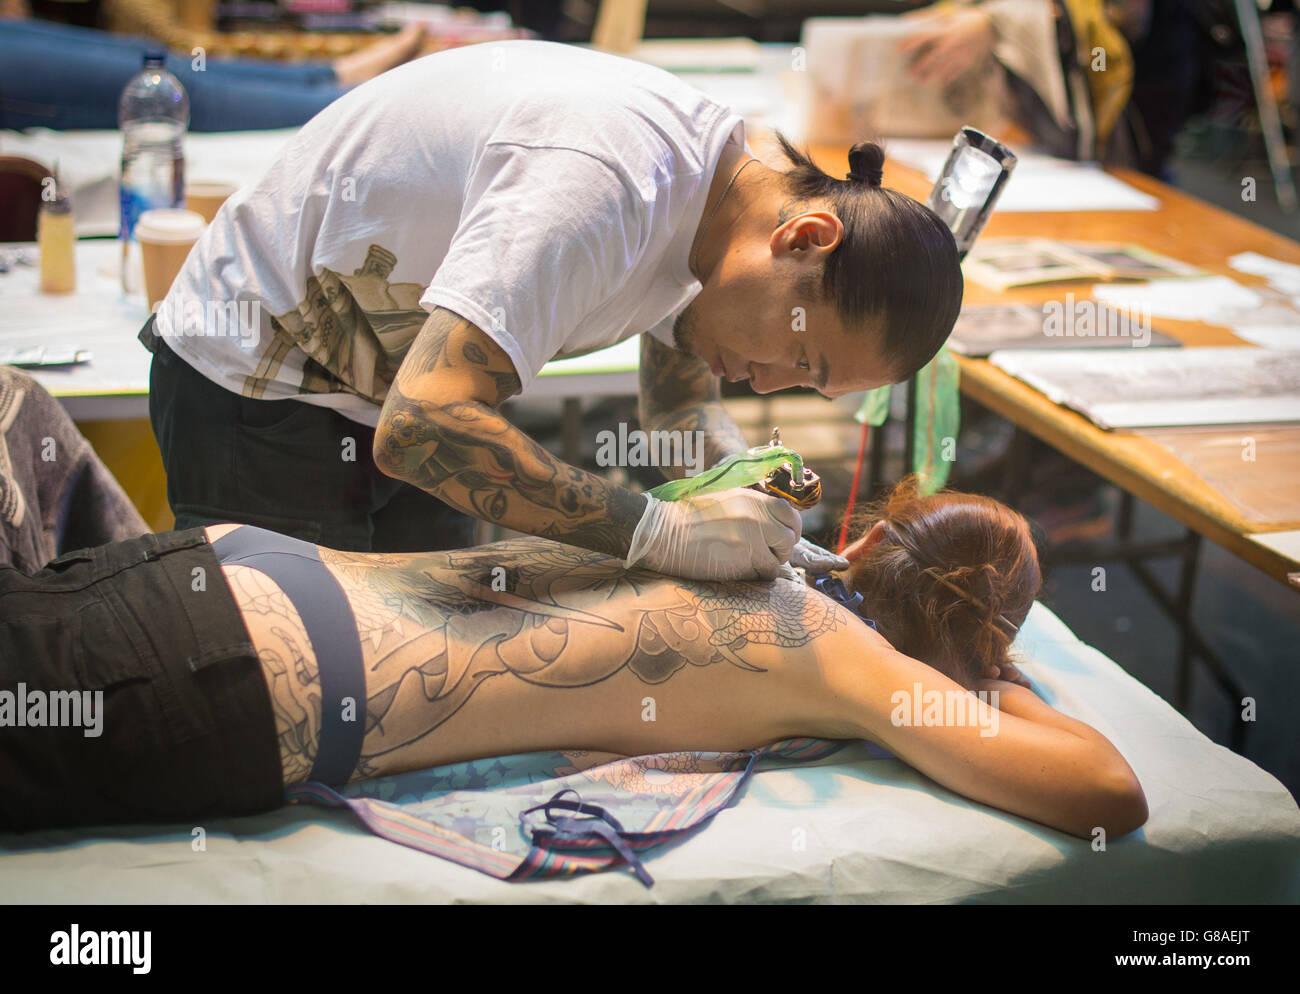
(1137, 388)
(1283, 543)
(1039, 182)
(1283, 276)
(690, 55)
(1270, 336)
(1212, 299)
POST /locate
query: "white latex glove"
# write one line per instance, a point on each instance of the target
(737, 534)
(814, 559)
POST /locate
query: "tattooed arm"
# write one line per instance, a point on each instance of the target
(679, 392)
(1005, 747)
(440, 431)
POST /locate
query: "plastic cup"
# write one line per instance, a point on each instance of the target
(207, 198)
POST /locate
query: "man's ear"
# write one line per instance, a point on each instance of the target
(872, 535)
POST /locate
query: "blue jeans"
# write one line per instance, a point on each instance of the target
(63, 77)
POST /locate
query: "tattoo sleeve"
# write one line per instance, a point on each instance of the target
(440, 431)
(680, 393)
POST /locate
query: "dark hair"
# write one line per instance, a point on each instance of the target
(897, 260)
(933, 547)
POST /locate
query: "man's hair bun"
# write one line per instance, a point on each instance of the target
(866, 163)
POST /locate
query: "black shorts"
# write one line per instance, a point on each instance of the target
(183, 728)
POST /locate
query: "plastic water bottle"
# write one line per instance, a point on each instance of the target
(154, 113)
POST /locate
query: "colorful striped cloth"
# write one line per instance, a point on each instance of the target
(556, 814)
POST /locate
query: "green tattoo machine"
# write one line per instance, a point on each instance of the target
(771, 468)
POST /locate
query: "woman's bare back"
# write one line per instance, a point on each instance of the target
(529, 644)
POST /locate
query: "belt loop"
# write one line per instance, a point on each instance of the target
(147, 336)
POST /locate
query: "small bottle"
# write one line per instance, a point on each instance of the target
(56, 234)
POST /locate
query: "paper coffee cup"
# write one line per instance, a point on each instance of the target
(206, 198)
(166, 237)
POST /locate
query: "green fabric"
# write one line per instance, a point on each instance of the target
(740, 470)
(938, 416)
(875, 407)
(938, 419)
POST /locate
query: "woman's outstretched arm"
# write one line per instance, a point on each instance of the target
(1011, 751)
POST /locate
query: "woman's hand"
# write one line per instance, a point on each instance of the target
(1009, 673)
(950, 44)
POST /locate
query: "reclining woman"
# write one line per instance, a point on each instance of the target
(234, 662)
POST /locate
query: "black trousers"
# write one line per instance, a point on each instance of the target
(130, 691)
(284, 465)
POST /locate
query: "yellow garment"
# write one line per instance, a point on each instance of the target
(1110, 87)
(130, 452)
(1026, 44)
(151, 19)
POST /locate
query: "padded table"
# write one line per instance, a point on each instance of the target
(848, 828)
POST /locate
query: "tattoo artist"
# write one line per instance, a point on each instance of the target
(543, 235)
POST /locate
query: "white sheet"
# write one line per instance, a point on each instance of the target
(1221, 830)
(89, 164)
(1039, 182)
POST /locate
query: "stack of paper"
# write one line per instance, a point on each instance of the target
(1134, 388)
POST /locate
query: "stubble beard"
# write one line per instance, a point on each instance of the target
(684, 332)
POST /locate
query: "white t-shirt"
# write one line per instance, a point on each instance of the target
(547, 193)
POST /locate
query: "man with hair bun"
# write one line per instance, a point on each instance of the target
(529, 201)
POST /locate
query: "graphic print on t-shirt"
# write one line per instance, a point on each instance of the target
(355, 331)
